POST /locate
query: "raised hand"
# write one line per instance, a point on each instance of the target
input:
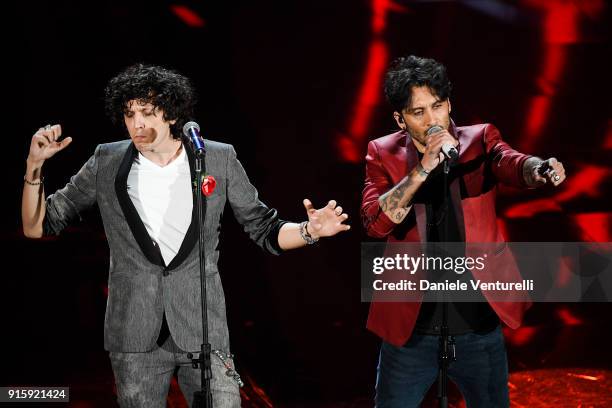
(326, 221)
(433, 156)
(45, 144)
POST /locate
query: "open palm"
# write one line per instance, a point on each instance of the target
(326, 221)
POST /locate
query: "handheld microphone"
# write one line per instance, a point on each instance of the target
(448, 149)
(191, 130)
(544, 168)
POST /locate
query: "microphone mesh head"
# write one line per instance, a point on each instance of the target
(188, 126)
(433, 129)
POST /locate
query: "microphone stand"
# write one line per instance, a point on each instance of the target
(446, 350)
(202, 398)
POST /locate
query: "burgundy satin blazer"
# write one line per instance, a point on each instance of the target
(484, 160)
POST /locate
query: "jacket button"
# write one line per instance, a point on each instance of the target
(165, 272)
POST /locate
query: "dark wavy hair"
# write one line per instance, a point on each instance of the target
(165, 89)
(406, 72)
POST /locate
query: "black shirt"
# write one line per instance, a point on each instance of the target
(442, 226)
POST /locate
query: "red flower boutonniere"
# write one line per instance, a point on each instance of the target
(208, 185)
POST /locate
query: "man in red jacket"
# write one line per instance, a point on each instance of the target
(407, 199)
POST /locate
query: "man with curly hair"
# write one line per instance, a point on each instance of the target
(144, 190)
(408, 198)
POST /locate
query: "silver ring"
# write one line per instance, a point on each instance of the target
(556, 177)
(47, 127)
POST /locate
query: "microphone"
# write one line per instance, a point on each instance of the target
(448, 149)
(191, 130)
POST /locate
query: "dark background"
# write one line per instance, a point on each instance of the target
(296, 88)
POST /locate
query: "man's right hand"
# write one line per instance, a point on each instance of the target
(433, 156)
(45, 144)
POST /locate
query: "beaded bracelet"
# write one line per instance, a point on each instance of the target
(33, 183)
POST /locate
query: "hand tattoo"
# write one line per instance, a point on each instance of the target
(528, 170)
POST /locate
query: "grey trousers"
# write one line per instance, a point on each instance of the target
(143, 379)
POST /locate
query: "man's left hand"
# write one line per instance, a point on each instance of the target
(326, 221)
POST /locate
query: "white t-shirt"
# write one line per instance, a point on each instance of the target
(162, 196)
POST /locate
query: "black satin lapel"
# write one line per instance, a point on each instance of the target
(455, 186)
(419, 209)
(191, 237)
(139, 231)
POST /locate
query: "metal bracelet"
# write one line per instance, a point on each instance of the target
(306, 235)
(230, 371)
(421, 170)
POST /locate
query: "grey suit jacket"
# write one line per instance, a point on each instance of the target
(141, 287)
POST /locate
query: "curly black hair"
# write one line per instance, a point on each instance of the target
(165, 89)
(410, 71)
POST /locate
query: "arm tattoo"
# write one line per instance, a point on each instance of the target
(392, 200)
(396, 203)
(383, 205)
(400, 214)
(528, 169)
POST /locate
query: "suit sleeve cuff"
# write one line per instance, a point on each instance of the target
(273, 244)
(383, 224)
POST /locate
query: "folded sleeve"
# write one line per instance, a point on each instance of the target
(505, 162)
(260, 222)
(377, 182)
(68, 203)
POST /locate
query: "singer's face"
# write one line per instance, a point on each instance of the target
(146, 126)
(425, 111)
